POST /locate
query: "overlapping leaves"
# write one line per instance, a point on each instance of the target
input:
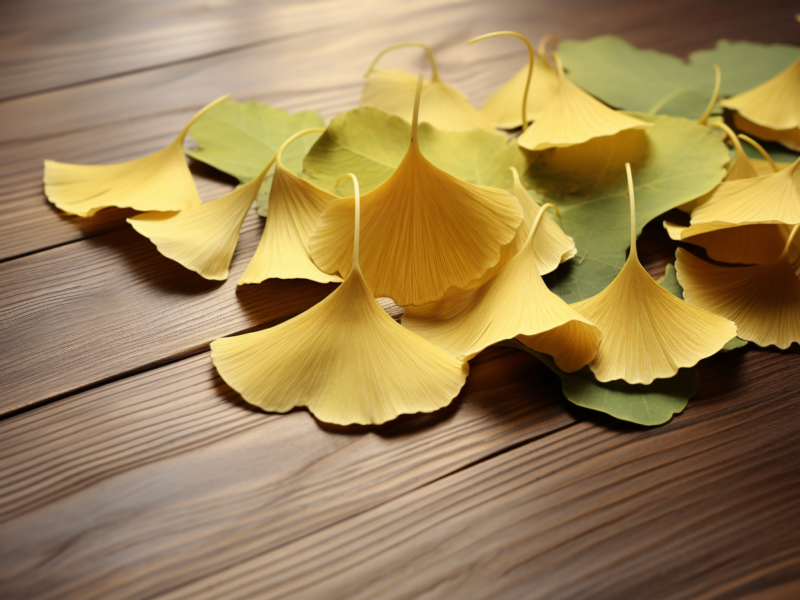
(658, 83)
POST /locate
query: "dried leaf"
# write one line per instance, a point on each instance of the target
(675, 161)
(345, 359)
(159, 181)
(763, 300)
(648, 333)
(516, 302)
(295, 207)
(574, 117)
(441, 105)
(202, 238)
(425, 231)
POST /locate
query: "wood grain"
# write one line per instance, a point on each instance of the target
(91, 122)
(101, 480)
(165, 484)
(129, 470)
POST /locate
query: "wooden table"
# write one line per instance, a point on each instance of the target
(128, 469)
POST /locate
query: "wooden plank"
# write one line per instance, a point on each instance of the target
(172, 459)
(704, 507)
(165, 482)
(119, 119)
(87, 40)
(78, 314)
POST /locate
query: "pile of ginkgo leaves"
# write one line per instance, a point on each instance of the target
(509, 224)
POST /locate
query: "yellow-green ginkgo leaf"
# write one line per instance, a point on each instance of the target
(775, 104)
(574, 117)
(425, 231)
(202, 238)
(441, 105)
(551, 245)
(345, 359)
(295, 207)
(502, 108)
(773, 198)
(648, 333)
(159, 181)
(515, 303)
(763, 300)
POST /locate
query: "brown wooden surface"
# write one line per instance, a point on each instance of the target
(128, 469)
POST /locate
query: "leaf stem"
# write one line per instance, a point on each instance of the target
(714, 97)
(415, 116)
(434, 68)
(530, 67)
(760, 150)
(789, 241)
(539, 217)
(633, 252)
(293, 138)
(199, 114)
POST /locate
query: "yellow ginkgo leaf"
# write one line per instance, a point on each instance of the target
(502, 108)
(551, 245)
(744, 244)
(574, 117)
(294, 208)
(774, 104)
(515, 303)
(202, 238)
(443, 106)
(648, 333)
(159, 181)
(425, 231)
(345, 359)
(787, 137)
(773, 198)
(763, 300)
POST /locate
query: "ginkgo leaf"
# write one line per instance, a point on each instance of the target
(675, 161)
(763, 300)
(745, 244)
(345, 359)
(775, 104)
(159, 181)
(653, 404)
(574, 117)
(773, 198)
(239, 138)
(202, 238)
(653, 82)
(503, 107)
(441, 105)
(670, 283)
(648, 333)
(425, 231)
(372, 144)
(295, 207)
(516, 302)
(551, 245)
(787, 137)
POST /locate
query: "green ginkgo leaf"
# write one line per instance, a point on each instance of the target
(370, 144)
(674, 161)
(240, 138)
(652, 404)
(653, 82)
